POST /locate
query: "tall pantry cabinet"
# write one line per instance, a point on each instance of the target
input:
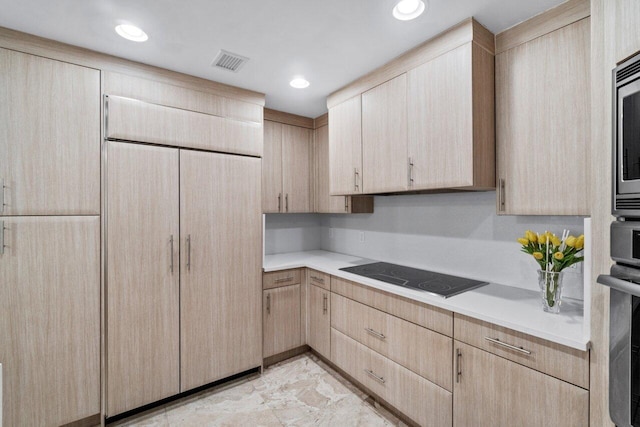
(49, 240)
(183, 257)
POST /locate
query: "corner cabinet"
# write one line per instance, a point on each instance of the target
(281, 312)
(286, 176)
(345, 147)
(543, 115)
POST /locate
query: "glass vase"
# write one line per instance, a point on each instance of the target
(551, 289)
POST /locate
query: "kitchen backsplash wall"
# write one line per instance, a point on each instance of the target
(455, 233)
(291, 233)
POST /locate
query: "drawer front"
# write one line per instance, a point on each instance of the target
(421, 350)
(318, 278)
(430, 317)
(559, 361)
(275, 279)
(422, 401)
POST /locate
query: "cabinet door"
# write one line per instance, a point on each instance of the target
(543, 116)
(50, 321)
(281, 320)
(221, 271)
(384, 137)
(491, 391)
(49, 137)
(319, 312)
(142, 275)
(345, 147)
(272, 197)
(324, 202)
(296, 165)
(441, 121)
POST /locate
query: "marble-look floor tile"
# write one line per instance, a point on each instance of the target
(301, 391)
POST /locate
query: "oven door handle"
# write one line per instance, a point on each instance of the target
(619, 284)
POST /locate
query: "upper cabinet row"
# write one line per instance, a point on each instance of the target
(429, 128)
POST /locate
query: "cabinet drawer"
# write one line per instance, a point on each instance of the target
(417, 398)
(430, 317)
(559, 361)
(276, 279)
(421, 350)
(318, 278)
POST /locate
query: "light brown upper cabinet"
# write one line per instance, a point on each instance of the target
(49, 137)
(543, 114)
(286, 179)
(451, 121)
(345, 147)
(423, 122)
(50, 319)
(384, 137)
(324, 202)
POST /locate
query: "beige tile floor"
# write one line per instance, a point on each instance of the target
(302, 391)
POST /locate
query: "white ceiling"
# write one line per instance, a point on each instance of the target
(330, 42)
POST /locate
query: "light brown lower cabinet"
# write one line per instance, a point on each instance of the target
(494, 392)
(424, 402)
(50, 319)
(319, 320)
(282, 326)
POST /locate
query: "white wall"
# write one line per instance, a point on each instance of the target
(291, 233)
(457, 233)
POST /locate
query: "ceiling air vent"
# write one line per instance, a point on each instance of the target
(229, 61)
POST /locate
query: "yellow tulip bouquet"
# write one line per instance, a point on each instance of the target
(553, 254)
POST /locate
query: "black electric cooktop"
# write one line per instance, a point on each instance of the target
(435, 283)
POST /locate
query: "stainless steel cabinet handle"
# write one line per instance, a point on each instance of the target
(268, 303)
(189, 252)
(286, 202)
(375, 333)
(509, 346)
(324, 303)
(369, 372)
(279, 202)
(501, 195)
(458, 365)
(346, 204)
(2, 237)
(171, 253)
(318, 279)
(356, 175)
(2, 203)
(284, 279)
(410, 172)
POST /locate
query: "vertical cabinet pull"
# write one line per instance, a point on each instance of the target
(2, 237)
(346, 204)
(286, 202)
(171, 253)
(356, 179)
(410, 168)
(268, 303)
(324, 303)
(458, 365)
(2, 203)
(279, 202)
(501, 195)
(189, 252)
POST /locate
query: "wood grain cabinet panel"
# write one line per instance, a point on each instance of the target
(345, 147)
(422, 401)
(490, 391)
(143, 303)
(276, 279)
(272, 196)
(50, 322)
(421, 350)
(49, 137)
(450, 121)
(324, 202)
(318, 278)
(319, 320)
(296, 168)
(385, 164)
(543, 116)
(281, 320)
(220, 303)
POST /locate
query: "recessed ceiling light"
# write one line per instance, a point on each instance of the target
(131, 32)
(408, 9)
(299, 83)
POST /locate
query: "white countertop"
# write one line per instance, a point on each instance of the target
(507, 306)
